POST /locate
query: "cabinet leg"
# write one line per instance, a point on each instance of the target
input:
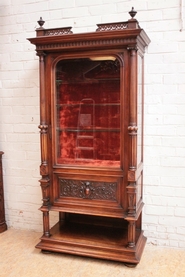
(46, 224)
(131, 234)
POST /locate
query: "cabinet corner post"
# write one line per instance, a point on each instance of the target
(44, 168)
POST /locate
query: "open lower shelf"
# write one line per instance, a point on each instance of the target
(93, 241)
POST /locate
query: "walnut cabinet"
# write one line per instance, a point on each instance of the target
(91, 134)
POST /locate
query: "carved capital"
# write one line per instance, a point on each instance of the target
(41, 54)
(43, 128)
(132, 130)
(132, 49)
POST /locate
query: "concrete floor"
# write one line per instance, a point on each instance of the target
(19, 258)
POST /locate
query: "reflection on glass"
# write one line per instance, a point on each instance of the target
(88, 112)
(139, 110)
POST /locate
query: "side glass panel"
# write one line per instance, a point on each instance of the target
(88, 112)
(140, 111)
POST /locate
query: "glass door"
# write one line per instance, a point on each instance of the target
(88, 112)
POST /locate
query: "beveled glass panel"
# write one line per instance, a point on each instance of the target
(88, 112)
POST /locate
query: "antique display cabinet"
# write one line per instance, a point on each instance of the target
(91, 133)
(3, 225)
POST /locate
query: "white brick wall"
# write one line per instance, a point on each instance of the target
(164, 178)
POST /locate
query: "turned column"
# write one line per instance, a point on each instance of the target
(44, 171)
(3, 225)
(132, 132)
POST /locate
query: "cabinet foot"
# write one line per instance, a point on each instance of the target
(130, 265)
(46, 251)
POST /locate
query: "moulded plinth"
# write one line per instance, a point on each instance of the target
(93, 241)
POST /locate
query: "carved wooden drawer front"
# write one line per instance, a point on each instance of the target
(88, 189)
(97, 195)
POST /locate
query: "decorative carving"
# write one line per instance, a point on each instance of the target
(132, 48)
(132, 204)
(114, 66)
(131, 201)
(119, 41)
(43, 128)
(132, 191)
(132, 130)
(57, 32)
(41, 54)
(131, 176)
(44, 169)
(45, 186)
(112, 26)
(88, 189)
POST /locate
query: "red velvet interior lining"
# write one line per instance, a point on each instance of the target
(88, 113)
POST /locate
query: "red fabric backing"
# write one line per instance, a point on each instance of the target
(88, 113)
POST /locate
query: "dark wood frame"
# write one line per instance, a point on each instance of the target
(3, 225)
(105, 230)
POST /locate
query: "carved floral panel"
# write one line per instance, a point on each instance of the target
(88, 189)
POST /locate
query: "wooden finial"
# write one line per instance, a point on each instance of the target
(41, 22)
(132, 12)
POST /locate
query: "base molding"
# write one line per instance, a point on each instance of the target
(93, 241)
